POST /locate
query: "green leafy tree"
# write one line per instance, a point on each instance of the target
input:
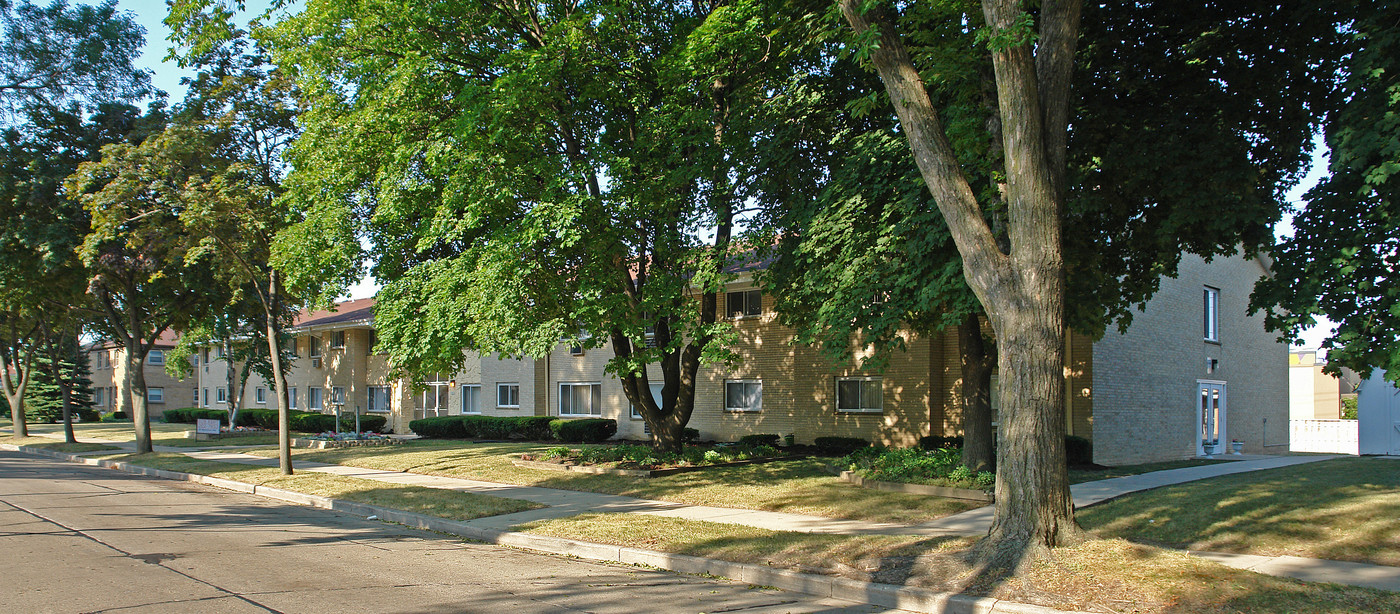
(146, 271)
(56, 55)
(528, 174)
(1342, 259)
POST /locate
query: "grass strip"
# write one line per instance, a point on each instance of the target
(796, 486)
(1079, 476)
(438, 502)
(1344, 509)
(1100, 575)
(57, 446)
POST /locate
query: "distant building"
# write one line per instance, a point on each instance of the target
(1312, 394)
(107, 361)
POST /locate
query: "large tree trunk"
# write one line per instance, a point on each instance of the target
(14, 388)
(1022, 291)
(234, 395)
(136, 389)
(272, 307)
(976, 395)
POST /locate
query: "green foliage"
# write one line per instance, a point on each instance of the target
(56, 55)
(583, 430)
(934, 442)
(635, 456)
(43, 400)
(306, 421)
(690, 435)
(484, 427)
(188, 415)
(941, 467)
(116, 416)
(1341, 262)
(760, 439)
(1349, 408)
(1078, 451)
(839, 446)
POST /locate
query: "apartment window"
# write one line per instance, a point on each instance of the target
(576, 349)
(859, 394)
(260, 395)
(155, 395)
(313, 345)
(338, 395)
(313, 398)
(743, 395)
(97, 397)
(655, 394)
(292, 398)
(156, 357)
(744, 304)
(196, 359)
(369, 345)
(507, 395)
(338, 340)
(471, 399)
(1212, 313)
(580, 399)
(219, 352)
(206, 398)
(221, 394)
(379, 398)
(195, 401)
(206, 355)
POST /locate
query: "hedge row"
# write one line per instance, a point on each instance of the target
(302, 421)
(1078, 450)
(507, 427)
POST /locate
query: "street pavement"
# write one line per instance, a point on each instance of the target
(83, 539)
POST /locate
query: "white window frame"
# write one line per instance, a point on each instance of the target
(205, 402)
(511, 389)
(1212, 314)
(155, 395)
(221, 394)
(636, 410)
(337, 340)
(260, 395)
(155, 357)
(97, 397)
(388, 399)
(315, 398)
(752, 304)
(337, 396)
(595, 399)
(748, 407)
(863, 405)
(471, 392)
(313, 346)
(292, 397)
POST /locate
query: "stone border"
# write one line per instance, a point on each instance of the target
(873, 593)
(323, 444)
(640, 473)
(918, 489)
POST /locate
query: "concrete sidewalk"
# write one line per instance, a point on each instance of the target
(565, 503)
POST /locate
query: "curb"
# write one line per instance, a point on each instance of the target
(873, 593)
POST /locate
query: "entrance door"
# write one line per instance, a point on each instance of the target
(1210, 414)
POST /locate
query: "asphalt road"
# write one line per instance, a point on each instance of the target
(75, 538)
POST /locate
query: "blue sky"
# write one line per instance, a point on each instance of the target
(167, 75)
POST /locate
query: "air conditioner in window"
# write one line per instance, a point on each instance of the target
(316, 362)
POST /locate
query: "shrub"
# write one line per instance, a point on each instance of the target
(839, 446)
(441, 427)
(116, 415)
(188, 415)
(759, 439)
(1349, 409)
(585, 430)
(1078, 450)
(942, 466)
(689, 435)
(934, 442)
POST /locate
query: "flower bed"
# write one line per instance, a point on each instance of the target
(227, 433)
(939, 467)
(643, 461)
(344, 440)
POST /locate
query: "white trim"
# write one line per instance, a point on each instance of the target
(1223, 438)
(499, 385)
(463, 402)
(1211, 308)
(388, 398)
(155, 395)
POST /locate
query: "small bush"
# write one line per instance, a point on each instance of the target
(441, 427)
(188, 415)
(759, 439)
(116, 416)
(935, 442)
(1078, 451)
(585, 430)
(689, 435)
(839, 446)
(942, 466)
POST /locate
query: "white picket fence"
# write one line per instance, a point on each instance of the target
(1330, 436)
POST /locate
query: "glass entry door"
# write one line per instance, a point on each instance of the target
(1210, 414)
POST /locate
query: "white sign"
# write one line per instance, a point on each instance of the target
(206, 426)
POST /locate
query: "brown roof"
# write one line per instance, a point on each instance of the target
(166, 340)
(356, 311)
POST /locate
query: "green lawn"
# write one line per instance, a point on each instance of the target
(162, 434)
(796, 486)
(429, 501)
(56, 445)
(1100, 575)
(1344, 509)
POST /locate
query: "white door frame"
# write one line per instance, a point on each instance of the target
(1223, 439)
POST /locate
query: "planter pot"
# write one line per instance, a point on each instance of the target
(1236, 447)
(1209, 449)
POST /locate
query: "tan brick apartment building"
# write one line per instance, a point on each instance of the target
(1194, 367)
(108, 364)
